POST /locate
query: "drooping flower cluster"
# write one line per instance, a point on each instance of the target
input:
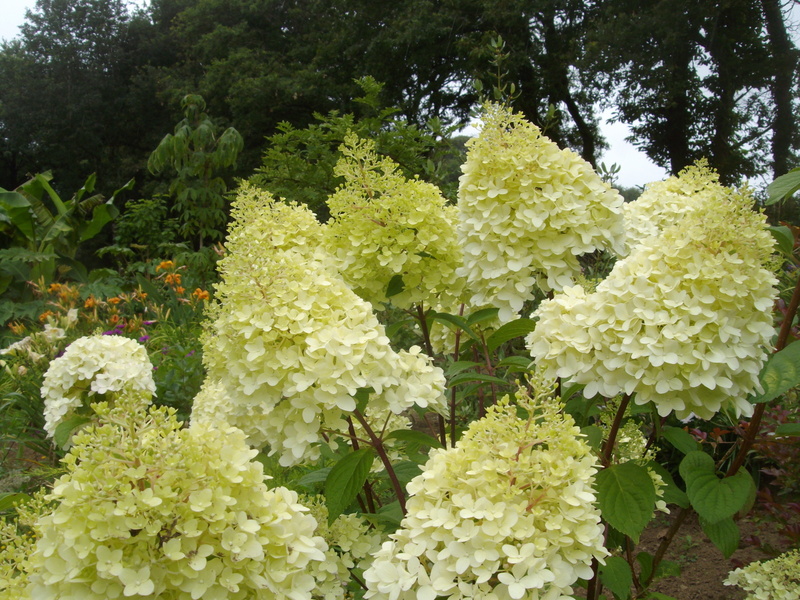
(385, 227)
(90, 368)
(148, 509)
(664, 203)
(507, 513)
(351, 544)
(527, 210)
(776, 579)
(683, 321)
(291, 344)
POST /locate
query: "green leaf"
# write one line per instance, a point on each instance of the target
(784, 239)
(465, 377)
(405, 471)
(482, 315)
(311, 479)
(713, 498)
(788, 429)
(391, 514)
(783, 187)
(626, 496)
(616, 575)
(411, 436)
(65, 429)
(362, 398)
(781, 373)
(345, 480)
(101, 215)
(9, 499)
(459, 366)
(516, 363)
(681, 440)
(396, 285)
(723, 534)
(459, 322)
(509, 331)
(594, 436)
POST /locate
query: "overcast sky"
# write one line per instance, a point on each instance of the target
(636, 168)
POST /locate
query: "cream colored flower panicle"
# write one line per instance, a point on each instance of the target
(684, 321)
(508, 513)
(527, 210)
(148, 509)
(91, 367)
(290, 343)
(663, 203)
(385, 226)
(776, 579)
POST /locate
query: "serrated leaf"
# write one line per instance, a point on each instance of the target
(784, 239)
(314, 477)
(724, 534)
(681, 440)
(780, 373)
(482, 315)
(457, 321)
(395, 286)
(626, 496)
(672, 494)
(713, 498)
(509, 331)
(616, 575)
(483, 377)
(788, 429)
(66, 428)
(414, 437)
(345, 480)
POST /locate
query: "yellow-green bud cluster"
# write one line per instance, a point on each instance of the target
(527, 210)
(683, 321)
(508, 513)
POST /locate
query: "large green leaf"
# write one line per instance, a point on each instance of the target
(410, 436)
(509, 331)
(780, 373)
(681, 440)
(712, 497)
(784, 239)
(457, 321)
(724, 534)
(345, 480)
(617, 576)
(101, 215)
(626, 496)
(783, 187)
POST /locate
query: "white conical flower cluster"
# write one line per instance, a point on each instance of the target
(683, 321)
(508, 513)
(527, 210)
(290, 344)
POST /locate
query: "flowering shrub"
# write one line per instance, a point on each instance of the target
(148, 509)
(681, 322)
(291, 343)
(507, 513)
(776, 579)
(90, 368)
(527, 210)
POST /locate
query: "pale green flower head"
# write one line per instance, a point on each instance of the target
(91, 369)
(776, 579)
(289, 343)
(664, 203)
(527, 211)
(507, 513)
(385, 226)
(684, 321)
(149, 509)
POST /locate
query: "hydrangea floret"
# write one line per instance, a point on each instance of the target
(776, 579)
(384, 226)
(507, 513)
(148, 509)
(90, 368)
(683, 321)
(290, 342)
(527, 210)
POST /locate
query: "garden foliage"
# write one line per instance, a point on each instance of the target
(516, 448)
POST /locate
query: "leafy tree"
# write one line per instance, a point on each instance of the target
(197, 152)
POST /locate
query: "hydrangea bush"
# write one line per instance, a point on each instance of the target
(512, 467)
